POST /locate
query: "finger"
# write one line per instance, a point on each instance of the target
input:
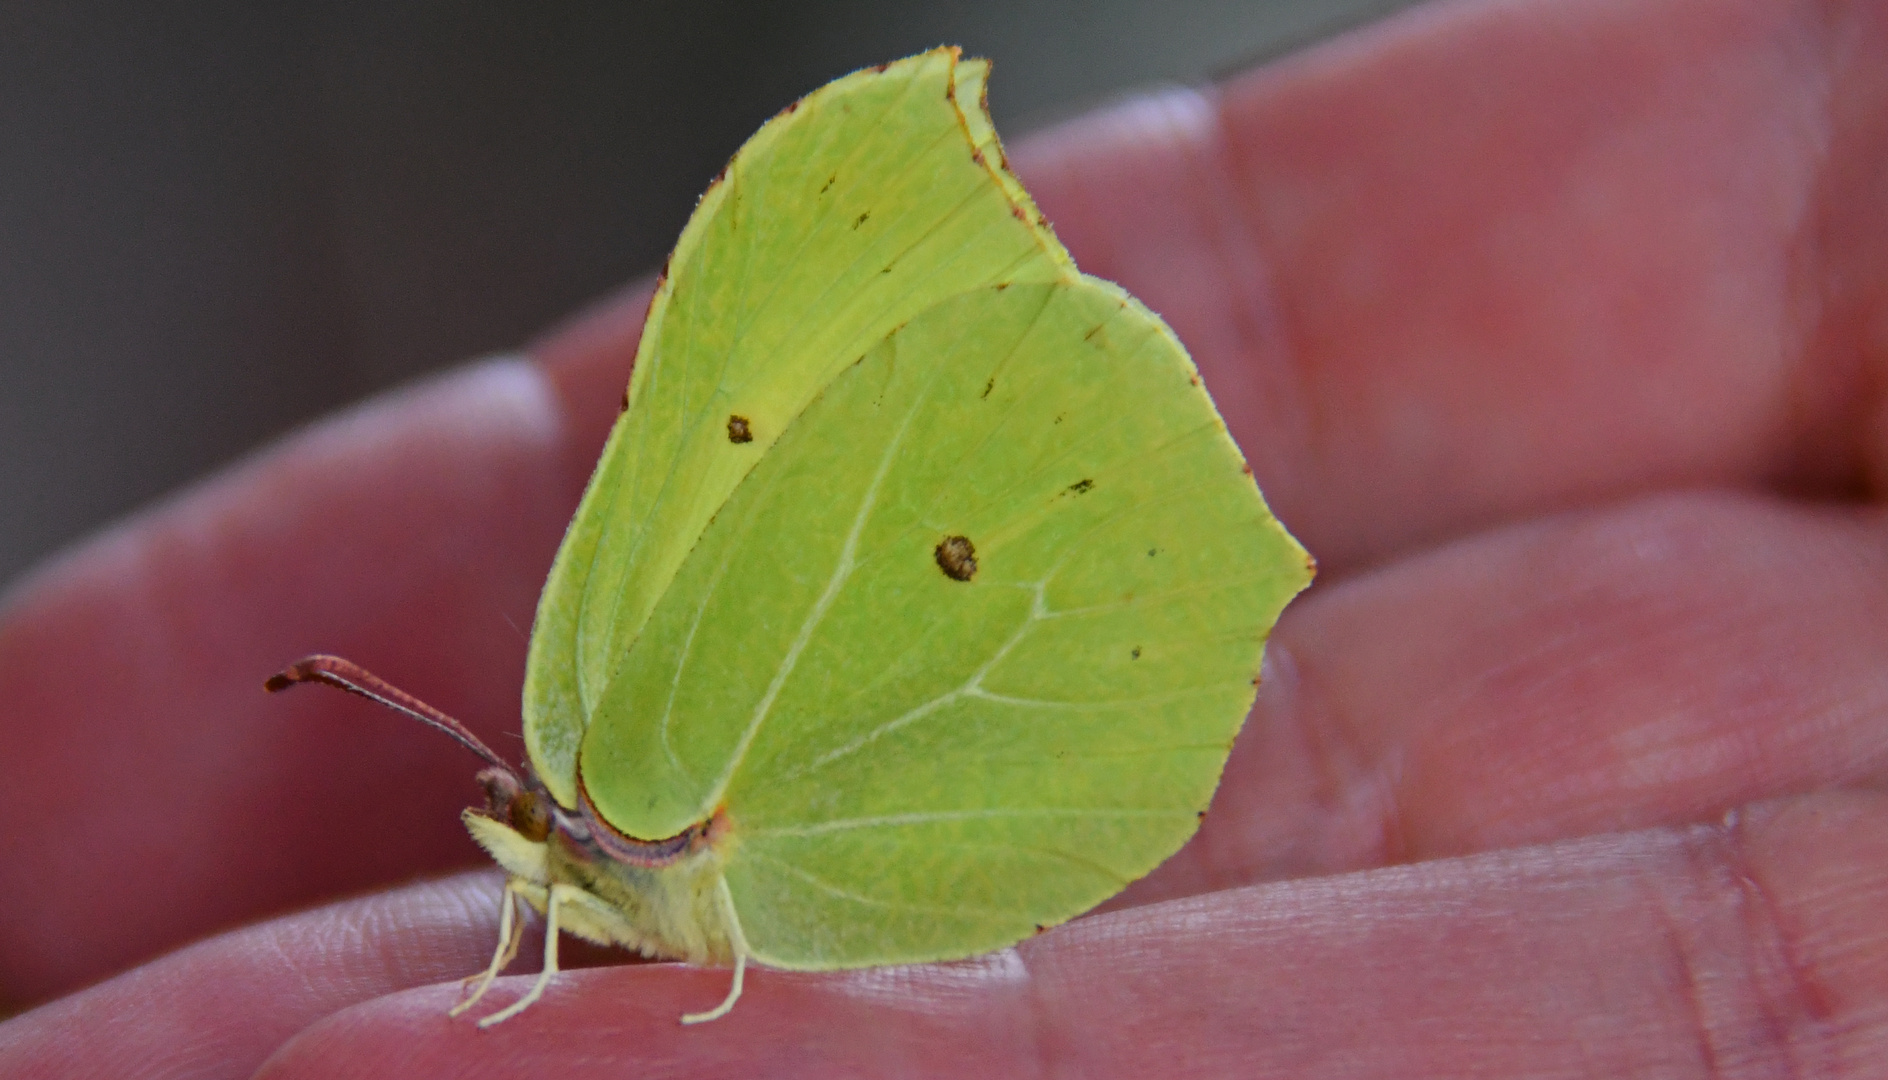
(218, 1008)
(1751, 947)
(412, 533)
(1489, 259)
(1654, 664)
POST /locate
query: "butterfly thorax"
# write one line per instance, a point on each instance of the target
(658, 897)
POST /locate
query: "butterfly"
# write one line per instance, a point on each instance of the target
(917, 596)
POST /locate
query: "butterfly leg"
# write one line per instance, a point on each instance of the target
(510, 933)
(739, 941)
(558, 895)
(727, 1003)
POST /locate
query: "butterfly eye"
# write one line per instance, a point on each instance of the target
(529, 816)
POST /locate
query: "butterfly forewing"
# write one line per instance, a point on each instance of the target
(868, 202)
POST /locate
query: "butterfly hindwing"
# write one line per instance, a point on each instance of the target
(966, 651)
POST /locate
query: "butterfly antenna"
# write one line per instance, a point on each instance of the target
(349, 676)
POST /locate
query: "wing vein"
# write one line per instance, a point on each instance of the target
(1153, 599)
(1112, 703)
(899, 821)
(970, 686)
(859, 898)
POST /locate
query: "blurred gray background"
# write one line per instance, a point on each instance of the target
(217, 220)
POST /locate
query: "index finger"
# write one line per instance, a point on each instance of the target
(1494, 259)
(1750, 943)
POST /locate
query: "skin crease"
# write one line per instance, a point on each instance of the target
(1556, 328)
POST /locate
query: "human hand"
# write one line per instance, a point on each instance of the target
(1555, 330)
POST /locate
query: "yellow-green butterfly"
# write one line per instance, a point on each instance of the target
(918, 595)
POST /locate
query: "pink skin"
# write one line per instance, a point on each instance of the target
(1557, 328)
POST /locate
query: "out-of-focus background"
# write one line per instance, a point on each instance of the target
(220, 219)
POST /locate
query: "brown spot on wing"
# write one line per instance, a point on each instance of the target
(957, 557)
(740, 429)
